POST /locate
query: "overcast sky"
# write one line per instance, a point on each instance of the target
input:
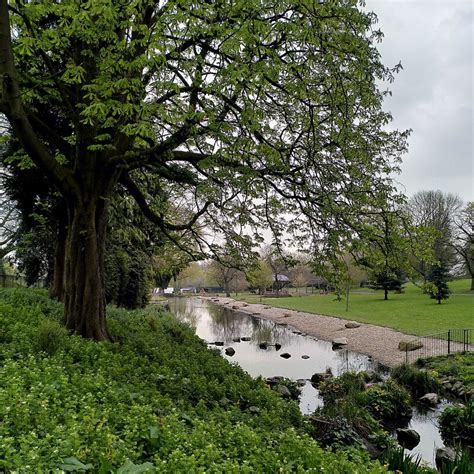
(433, 95)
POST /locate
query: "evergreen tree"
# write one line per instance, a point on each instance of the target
(437, 283)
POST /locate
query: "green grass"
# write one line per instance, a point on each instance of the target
(411, 312)
(157, 400)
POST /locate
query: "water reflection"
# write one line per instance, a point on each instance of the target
(215, 323)
(218, 324)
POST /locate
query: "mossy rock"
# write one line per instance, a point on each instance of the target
(409, 345)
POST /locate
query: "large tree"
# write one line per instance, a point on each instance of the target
(251, 111)
(436, 210)
(463, 242)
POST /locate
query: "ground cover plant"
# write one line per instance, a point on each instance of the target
(410, 312)
(357, 412)
(154, 400)
(459, 365)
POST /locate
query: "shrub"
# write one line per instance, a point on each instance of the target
(418, 382)
(386, 401)
(50, 336)
(340, 387)
(457, 424)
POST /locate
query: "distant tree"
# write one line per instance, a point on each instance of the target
(436, 210)
(300, 276)
(239, 283)
(437, 283)
(260, 276)
(223, 275)
(167, 263)
(194, 275)
(388, 281)
(386, 253)
(463, 242)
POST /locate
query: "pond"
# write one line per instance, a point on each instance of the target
(214, 323)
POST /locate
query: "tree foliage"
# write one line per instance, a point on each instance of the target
(463, 242)
(249, 112)
(390, 248)
(437, 283)
(436, 210)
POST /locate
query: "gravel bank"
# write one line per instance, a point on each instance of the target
(379, 342)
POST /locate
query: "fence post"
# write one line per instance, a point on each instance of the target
(449, 341)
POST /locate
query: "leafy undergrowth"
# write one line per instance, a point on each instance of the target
(155, 400)
(459, 365)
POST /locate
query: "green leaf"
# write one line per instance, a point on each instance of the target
(130, 468)
(73, 464)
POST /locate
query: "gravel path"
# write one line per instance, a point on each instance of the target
(379, 342)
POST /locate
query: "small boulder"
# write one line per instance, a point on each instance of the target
(408, 438)
(244, 305)
(235, 306)
(352, 325)
(230, 351)
(256, 313)
(443, 456)
(277, 346)
(283, 390)
(286, 315)
(304, 356)
(339, 342)
(263, 345)
(245, 339)
(301, 382)
(219, 343)
(236, 339)
(317, 378)
(273, 380)
(430, 399)
(409, 345)
(285, 355)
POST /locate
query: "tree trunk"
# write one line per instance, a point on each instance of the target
(386, 293)
(84, 302)
(472, 282)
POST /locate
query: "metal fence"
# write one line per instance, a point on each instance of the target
(453, 340)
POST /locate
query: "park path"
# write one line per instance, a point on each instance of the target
(379, 342)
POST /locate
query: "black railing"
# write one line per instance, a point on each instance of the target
(453, 340)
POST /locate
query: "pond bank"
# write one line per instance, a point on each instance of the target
(376, 341)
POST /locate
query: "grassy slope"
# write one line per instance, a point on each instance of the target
(411, 312)
(157, 398)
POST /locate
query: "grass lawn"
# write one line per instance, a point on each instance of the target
(411, 312)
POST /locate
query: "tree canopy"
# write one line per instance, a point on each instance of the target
(255, 114)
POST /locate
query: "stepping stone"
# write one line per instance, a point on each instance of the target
(285, 355)
(230, 351)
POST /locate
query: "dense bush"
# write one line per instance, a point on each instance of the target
(457, 424)
(385, 401)
(156, 398)
(345, 385)
(418, 382)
